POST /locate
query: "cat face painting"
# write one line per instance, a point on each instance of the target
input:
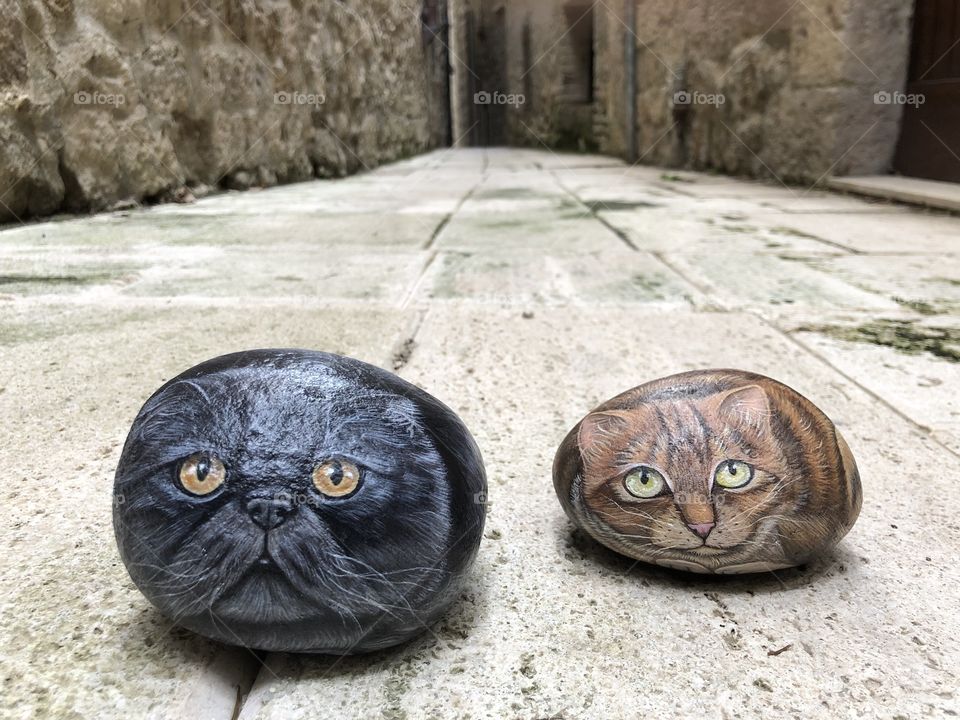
(716, 471)
(298, 501)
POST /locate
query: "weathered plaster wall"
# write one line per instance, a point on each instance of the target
(109, 100)
(797, 81)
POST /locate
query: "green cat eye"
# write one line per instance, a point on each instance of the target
(733, 474)
(644, 482)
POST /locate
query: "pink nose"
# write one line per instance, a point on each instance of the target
(701, 529)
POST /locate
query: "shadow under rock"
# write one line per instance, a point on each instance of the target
(445, 634)
(579, 545)
(155, 634)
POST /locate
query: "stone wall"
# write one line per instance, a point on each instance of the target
(775, 88)
(105, 101)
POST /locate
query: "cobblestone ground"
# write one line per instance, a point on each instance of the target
(521, 288)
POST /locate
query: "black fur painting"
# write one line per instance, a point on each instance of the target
(298, 501)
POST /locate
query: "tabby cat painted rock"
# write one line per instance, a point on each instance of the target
(298, 501)
(713, 471)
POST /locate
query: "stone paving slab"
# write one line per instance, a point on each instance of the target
(307, 270)
(572, 229)
(775, 285)
(319, 273)
(531, 277)
(915, 232)
(929, 284)
(677, 230)
(144, 228)
(554, 626)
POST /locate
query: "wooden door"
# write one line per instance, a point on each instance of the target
(929, 144)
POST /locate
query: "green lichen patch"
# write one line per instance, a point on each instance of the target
(919, 306)
(54, 279)
(671, 177)
(901, 335)
(511, 193)
(618, 205)
(783, 230)
(651, 286)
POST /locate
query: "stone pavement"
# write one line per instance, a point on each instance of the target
(521, 288)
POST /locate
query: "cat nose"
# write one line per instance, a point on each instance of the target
(269, 512)
(701, 529)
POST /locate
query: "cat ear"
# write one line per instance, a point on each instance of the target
(599, 430)
(747, 404)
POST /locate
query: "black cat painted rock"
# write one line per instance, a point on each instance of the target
(718, 471)
(298, 501)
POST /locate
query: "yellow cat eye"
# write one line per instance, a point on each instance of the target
(202, 473)
(733, 474)
(336, 478)
(644, 482)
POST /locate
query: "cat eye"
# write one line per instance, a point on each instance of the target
(733, 474)
(336, 478)
(644, 482)
(202, 473)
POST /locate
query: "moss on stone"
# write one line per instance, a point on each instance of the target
(617, 205)
(920, 306)
(782, 230)
(902, 335)
(672, 177)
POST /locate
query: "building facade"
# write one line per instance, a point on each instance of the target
(797, 90)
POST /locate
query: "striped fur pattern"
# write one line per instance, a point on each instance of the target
(696, 431)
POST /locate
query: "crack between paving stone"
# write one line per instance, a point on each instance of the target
(593, 213)
(412, 293)
(689, 280)
(449, 216)
(245, 687)
(924, 430)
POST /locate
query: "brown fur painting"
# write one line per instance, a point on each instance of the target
(712, 471)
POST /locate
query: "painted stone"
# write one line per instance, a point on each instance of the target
(713, 471)
(298, 501)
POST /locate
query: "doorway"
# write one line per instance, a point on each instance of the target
(929, 145)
